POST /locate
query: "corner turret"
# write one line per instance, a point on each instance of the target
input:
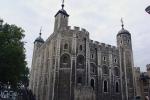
(126, 62)
(38, 41)
(61, 19)
(124, 38)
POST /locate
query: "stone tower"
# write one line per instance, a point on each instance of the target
(124, 44)
(61, 19)
(37, 44)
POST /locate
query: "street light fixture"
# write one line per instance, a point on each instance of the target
(148, 9)
(1, 23)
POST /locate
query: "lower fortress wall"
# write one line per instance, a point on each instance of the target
(84, 93)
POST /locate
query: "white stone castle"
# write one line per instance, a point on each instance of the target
(71, 66)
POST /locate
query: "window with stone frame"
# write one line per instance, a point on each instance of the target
(105, 70)
(65, 58)
(121, 42)
(65, 61)
(66, 46)
(80, 60)
(92, 56)
(115, 60)
(92, 68)
(79, 80)
(116, 71)
(104, 58)
(92, 83)
(105, 86)
(117, 87)
(80, 47)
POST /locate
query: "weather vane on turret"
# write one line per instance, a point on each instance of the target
(40, 31)
(62, 4)
(122, 23)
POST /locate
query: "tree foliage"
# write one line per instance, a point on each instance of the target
(12, 55)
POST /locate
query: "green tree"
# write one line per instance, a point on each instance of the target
(12, 55)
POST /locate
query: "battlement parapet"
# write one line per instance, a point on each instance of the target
(68, 27)
(114, 47)
(77, 29)
(83, 30)
(91, 41)
(96, 42)
(104, 45)
(109, 46)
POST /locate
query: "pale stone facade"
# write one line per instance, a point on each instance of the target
(142, 82)
(71, 66)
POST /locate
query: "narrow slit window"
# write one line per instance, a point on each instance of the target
(66, 46)
(105, 86)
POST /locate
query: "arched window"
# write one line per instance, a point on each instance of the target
(92, 83)
(116, 71)
(65, 61)
(79, 80)
(92, 56)
(104, 58)
(92, 68)
(81, 48)
(80, 59)
(105, 86)
(115, 60)
(121, 42)
(66, 46)
(105, 70)
(117, 87)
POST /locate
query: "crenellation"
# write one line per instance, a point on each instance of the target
(96, 42)
(87, 33)
(68, 27)
(106, 45)
(91, 41)
(103, 44)
(83, 30)
(114, 47)
(109, 46)
(76, 28)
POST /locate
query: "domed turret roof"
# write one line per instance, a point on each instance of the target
(123, 31)
(39, 39)
(62, 11)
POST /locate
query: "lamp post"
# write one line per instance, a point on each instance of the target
(1, 22)
(148, 9)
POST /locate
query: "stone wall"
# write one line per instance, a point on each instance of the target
(84, 93)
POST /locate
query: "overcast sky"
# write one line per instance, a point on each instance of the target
(100, 17)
